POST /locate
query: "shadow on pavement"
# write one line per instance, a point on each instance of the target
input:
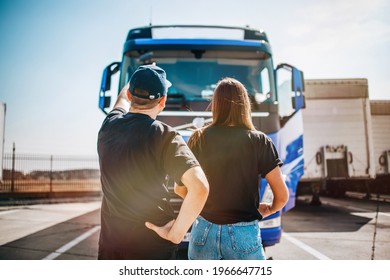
(325, 218)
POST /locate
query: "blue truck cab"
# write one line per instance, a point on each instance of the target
(195, 58)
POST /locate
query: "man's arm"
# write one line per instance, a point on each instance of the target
(197, 186)
(123, 101)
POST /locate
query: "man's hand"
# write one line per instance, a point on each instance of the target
(195, 182)
(163, 231)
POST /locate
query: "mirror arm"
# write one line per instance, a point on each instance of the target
(285, 66)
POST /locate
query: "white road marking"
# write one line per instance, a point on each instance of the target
(8, 211)
(20, 222)
(305, 247)
(356, 208)
(384, 214)
(71, 244)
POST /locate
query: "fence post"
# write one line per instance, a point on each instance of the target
(13, 169)
(51, 173)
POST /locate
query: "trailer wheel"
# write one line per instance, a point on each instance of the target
(350, 157)
(382, 160)
(318, 158)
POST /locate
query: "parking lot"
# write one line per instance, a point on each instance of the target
(339, 229)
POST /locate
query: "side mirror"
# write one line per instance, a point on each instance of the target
(297, 85)
(105, 101)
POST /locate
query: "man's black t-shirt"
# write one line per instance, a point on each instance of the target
(233, 158)
(136, 153)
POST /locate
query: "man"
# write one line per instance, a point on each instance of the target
(137, 153)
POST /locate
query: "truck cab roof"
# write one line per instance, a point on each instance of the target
(146, 32)
(197, 38)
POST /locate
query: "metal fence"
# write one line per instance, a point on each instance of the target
(49, 173)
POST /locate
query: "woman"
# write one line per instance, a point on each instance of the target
(233, 155)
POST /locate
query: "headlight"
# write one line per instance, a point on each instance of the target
(271, 223)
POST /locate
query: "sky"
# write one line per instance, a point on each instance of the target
(52, 54)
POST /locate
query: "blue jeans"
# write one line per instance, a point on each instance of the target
(240, 241)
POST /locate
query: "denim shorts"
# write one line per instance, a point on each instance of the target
(240, 241)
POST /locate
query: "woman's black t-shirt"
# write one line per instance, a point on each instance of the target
(233, 159)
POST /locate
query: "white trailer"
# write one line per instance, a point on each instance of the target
(338, 139)
(380, 117)
(2, 131)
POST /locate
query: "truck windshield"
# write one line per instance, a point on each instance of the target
(196, 79)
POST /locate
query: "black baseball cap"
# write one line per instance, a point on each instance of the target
(151, 79)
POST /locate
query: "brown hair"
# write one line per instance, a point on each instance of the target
(230, 106)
